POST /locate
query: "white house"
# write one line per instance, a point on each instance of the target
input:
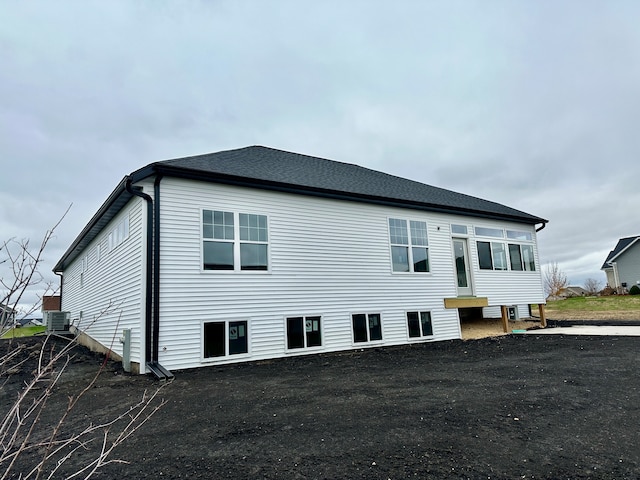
(622, 265)
(258, 253)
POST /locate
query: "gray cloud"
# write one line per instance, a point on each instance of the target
(531, 104)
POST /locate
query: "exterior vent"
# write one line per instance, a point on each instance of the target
(57, 321)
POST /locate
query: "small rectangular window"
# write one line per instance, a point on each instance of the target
(119, 233)
(521, 257)
(459, 229)
(489, 232)
(366, 327)
(419, 324)
(303, 332)
(225, 338)
(517, 235)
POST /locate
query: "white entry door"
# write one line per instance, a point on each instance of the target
(463, 274)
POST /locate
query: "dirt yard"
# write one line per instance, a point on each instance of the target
(516, 406)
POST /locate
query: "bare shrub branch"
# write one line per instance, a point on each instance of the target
(555, 280)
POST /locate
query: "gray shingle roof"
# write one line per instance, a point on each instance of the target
(264, 167)
(268, 166)
(620, 246)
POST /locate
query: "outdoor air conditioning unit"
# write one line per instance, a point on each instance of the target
(57, 321)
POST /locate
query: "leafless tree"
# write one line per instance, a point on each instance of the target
(554, 279)
(592, 286)
(31, 448)
(21, 263)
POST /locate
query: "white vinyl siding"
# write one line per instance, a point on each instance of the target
(103, 289)
(628, 264)
(320, 262)
(327, 258)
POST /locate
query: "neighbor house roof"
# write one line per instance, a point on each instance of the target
(622, 245)
(268, 168)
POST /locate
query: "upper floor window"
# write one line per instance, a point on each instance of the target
(521, 257)
(119, 234)
(493, 256)
(231, 240)
(409, 245)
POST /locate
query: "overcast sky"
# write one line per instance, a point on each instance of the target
(533, 104)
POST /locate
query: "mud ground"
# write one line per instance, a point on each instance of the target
(514, 406)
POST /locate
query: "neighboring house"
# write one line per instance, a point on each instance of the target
(258, 253)
(622, 265)
(7, 315)
(569, 292)
(50, 303)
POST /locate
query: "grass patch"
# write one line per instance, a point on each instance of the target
(24, 331)
(614, 303)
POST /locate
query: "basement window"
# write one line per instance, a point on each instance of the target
(222, 339)
(419, 324)
(366, 327)
(303, 332)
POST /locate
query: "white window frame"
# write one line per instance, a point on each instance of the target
(410, 246)
(368, 341)
(422, 336)
(227, 356)
(236, 241)
(305, 348)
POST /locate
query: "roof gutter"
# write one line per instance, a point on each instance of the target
(544, 224)
(332, 194)
(149, 265)
(158, 370)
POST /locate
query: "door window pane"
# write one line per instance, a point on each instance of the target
(461, 267)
